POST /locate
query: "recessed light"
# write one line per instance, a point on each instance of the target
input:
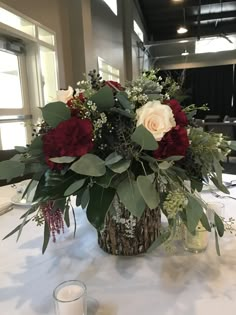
(185, 53)
(182, 30)
(183, 41)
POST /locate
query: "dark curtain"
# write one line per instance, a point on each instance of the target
(214, 86)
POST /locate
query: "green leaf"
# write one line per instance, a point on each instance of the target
(174, 158)
(46, 237)
(232, 145)
(36, 146)
(205, 222)
(130, 196)
(123, 100)
(105, 181)
(63, 159)
(90, 165)
(85, 198)
(16, 229)
(144, 138)
(164, 165)
(79, 196)
(10, 169)
(219, 225)
(160, 240)
(21, 149)
(194, 213)
(120, 166)
(74, 187)
(99, 203)
(67, 215)
(219, 185)
(217, 244)
(59, 204)
(113, 158)
(126, 113)
(103, 99)
(56, 112)
(148, 191)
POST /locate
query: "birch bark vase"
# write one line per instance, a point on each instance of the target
(126, 235)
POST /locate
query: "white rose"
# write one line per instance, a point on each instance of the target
(65, 95)
(156, 118)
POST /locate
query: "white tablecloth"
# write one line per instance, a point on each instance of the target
(158, 283)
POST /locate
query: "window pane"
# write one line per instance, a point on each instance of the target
(12, 134)
(17, 22)
(46, 36)
(10, 87)
(48, 68)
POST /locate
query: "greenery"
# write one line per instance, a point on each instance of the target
(103, 140)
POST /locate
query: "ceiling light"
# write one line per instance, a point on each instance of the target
(185, 53)
(182, 30)
(177, 0)
(183, 41)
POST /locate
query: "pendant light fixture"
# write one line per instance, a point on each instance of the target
(183, 29)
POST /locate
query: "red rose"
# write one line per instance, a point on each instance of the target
(174, 142)
(115, 84)
(72, 137)
(180, 117)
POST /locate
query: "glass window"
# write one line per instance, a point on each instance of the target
(12, 134)
(215, 44)
(49, 75)
(138, 31)
(10, 87)
(17, 22)
(46, 36)
(107, 71)
(112, 5)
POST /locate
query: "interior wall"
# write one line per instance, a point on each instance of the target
(107, 35)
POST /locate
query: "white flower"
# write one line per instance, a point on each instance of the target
(156, 118)
(65, 95)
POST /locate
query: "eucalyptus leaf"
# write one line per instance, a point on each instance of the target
(194, 213)
(130, 196)
(10, 169)
(123, 100)
(205, 222)
(105, 180)
(113, 158)
(219, 185)
(66, 215)
(120, 167)
(164, 165)
(160, 240)
(103, 99)
(74, 187)
(148, 191)
(46, 237)
(99, 203)
(144, 138)
(16, 229)
(21, 149)
(90, 165)
(219, 225)
(232, 145)
(56, 112)
(217, 243)
(85, 198)
(63, 159)
(122, 112)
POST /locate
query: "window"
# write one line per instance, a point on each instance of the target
(215, 44)
(112, 5)
(138, 31)
(108, 72)
(28, 75)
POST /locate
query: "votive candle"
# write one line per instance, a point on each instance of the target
(70, 298)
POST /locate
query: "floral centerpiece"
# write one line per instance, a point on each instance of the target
(126, 154)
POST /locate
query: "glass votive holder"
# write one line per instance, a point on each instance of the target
(70, 298)
(197, 242)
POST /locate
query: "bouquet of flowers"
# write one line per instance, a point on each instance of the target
(113, 147)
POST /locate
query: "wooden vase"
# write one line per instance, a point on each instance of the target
(126, 235)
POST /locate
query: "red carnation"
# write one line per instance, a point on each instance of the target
(115, 84)
(174, 142)
(72, 137)
(180, 117)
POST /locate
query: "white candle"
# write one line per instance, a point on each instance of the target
(70, 298)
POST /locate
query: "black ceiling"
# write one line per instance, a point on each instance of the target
(202, 17)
